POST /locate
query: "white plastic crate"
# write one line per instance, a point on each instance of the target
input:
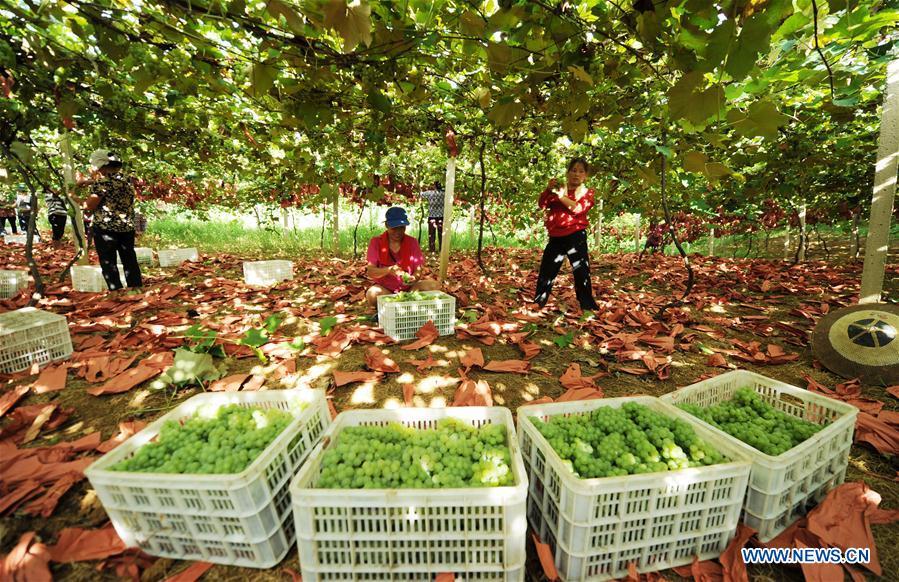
(174, 257)
(30, 336)
(144, 255)
(267, 273)
(11, 282)
(402, 319)
(255, 525)
(782, 488)
(89, 278)
(249, 553)
(411, 534)
(214, 495)
(596, 527)
(18, 239)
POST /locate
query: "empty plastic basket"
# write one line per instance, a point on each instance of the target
(144, 255)
(174, 257)
(596, 527)
(267, 273)
(411, 534)
(89, 278)
(783, 488)
(11, 282)
(402, 319)
(30, 336)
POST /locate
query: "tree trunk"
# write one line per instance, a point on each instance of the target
(356, 230)
(336, 211)
(637, 233)
(823, 243)
(787, 247)
(324, 221)
(672, 231)
(284, 218)
(483, 201)
(597, 241)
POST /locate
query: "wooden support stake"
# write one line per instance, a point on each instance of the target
(877, 244)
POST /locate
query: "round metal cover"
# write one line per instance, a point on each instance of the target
(860, 341)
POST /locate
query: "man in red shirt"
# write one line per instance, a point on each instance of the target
(395, 260)
(566, 222)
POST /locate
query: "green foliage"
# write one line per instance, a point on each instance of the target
(189, 369)
(563, 341)
(326, 324)
(203, 341)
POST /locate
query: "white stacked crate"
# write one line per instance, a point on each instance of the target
(411, 534)
(89, 278)
(785, 487)
(267, 273)
(402, 319)
(174, 257)
(17, 239)
(11, 282)
(241, 519)
(30, 336)
(596, 527)
(144, 255)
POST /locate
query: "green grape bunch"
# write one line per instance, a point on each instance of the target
(631, 440)
(454, 454)
(749, 418)
(404, 296)
(225, 443)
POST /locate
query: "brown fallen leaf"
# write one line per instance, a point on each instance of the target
(473, 393)
(426, 336)
(545, 555)
(445, 577)
(422, 365)
(39, 422)
(46, 503)
(530, 350)
(716, 361)
(877, 433)
(573, 380)
(508, 366)
(473, 357)
(341, 378)
(127, 429)
(27, 562)
(408, 393)
(9, 399)
(893, 391)
(255, 383)
(230, 383)
(580, 394)
(52, 379)
(190, 574)
(77, 544)
(126, 380)
(377, 361)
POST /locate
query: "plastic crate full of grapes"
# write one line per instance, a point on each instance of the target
(30, 336)
(210, 480)
(410, 493)
(628, 480)
(403, 314)
(798, 441)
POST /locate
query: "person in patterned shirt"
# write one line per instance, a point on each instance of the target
(111, 201)
(435, 215)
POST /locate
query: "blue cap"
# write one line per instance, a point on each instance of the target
(396, 216)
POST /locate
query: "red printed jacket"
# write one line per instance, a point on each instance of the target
(560, 221)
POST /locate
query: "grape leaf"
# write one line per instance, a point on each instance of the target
(352, 22)
(326, 324)
(563, 341)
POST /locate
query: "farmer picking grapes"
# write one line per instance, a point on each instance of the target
(566, 223)
(395, 260)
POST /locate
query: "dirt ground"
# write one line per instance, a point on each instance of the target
(729, 303)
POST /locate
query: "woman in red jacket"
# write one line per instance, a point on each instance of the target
(566, 223)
